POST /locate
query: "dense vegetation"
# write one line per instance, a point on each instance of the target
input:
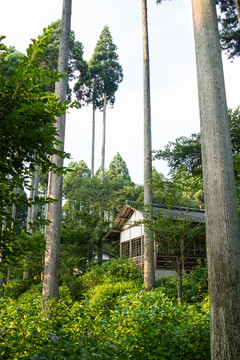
(103, 311)
(106, 314)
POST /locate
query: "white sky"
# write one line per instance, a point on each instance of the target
(173, 72)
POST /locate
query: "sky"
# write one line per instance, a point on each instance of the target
(174, 97)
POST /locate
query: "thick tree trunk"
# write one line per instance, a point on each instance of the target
(93, 141)
(103, 137)
(149, 271)
(51, 265)
(222, 227)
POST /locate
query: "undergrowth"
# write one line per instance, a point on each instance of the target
(115, 319)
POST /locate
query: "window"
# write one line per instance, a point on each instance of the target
(136, 247)
(126, 249)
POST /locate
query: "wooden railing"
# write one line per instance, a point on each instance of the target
(165, 262)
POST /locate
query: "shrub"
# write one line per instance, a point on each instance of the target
(75, 286)
(103, 298)
(194, 285)
(110, 272)
(13, 289)
(139, 325)
(150, 326)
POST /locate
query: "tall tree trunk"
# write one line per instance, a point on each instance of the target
(31, 217)
(149, 271)
(51, 264)
(93, 141)
(30, 209)
(238, 11)
(222, 226)
(36, 184)
(103, 137)
(45, 210)
(102, 171)
(32, 194)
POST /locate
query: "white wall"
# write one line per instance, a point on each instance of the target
(133, 232)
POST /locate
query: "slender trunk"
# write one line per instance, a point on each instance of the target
(238, 11)
(14, 209)
(9, 276)
(103, 137)
(149, 271)
(93, 141)
(179, 277)
(36, 184)
(51, 265)
(30, 208)
(222, 226)
(45, 210)
(100, 251)
(31, 217)
(4, 224)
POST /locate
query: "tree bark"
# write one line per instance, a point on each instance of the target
(36, 185)
(93, 141)
(31, 217)
(222, 226)
(149, 271)
(238, 11)
(31, 196)
(103, 137)
(51, 265)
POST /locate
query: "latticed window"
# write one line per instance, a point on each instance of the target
(126, 249)
(197, 248)
(136, 247)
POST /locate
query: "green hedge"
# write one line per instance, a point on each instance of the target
(136, 325)
(115, 319)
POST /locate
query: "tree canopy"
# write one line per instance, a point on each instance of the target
(105, 68)
(49, 59)
(118, 169)
(229, 27)
(186, 151)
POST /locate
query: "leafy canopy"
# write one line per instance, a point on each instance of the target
(102, 76)
(49, 58)
(229, 27)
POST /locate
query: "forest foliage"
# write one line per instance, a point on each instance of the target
(114, 319)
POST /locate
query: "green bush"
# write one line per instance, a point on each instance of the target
(113, 270)
(150, 326)
(75, 286)
(139, 325)
(110, 272)
(122, 269)
(103, 298)
(13, 289)
(194, 285)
